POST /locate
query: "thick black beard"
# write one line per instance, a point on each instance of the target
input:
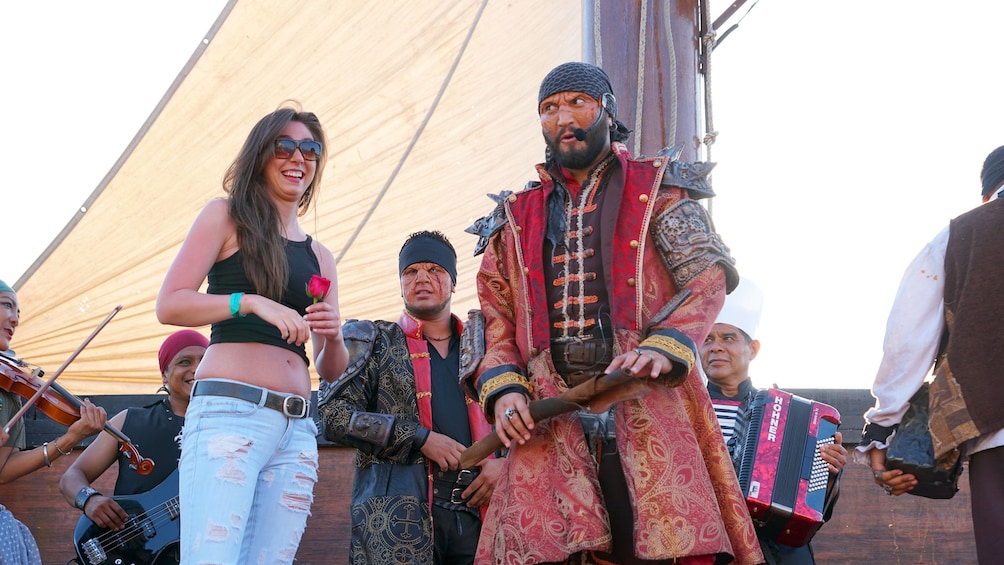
(578, 159)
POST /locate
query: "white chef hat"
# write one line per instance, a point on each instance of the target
(742, 307)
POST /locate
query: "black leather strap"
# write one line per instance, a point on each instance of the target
(293, 406)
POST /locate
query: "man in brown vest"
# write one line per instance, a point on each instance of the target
(949, 307)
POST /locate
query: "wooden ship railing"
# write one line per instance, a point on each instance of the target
(867, 526)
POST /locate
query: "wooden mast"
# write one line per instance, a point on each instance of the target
(651, 50)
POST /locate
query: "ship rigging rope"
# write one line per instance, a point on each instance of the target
(640, 84)
(674, 87)
(707, 44)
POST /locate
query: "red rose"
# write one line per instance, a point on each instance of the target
(318, 287)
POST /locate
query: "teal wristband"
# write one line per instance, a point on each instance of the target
(235, 305)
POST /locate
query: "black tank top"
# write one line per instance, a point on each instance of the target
(156, 432)
(228, 276)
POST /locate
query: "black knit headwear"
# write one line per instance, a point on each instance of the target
(424, 249)
(587, 79)
(992, 174)
(577, 77)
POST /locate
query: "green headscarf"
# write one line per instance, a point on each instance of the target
(4, 287)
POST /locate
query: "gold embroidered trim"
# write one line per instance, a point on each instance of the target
(671, 347)
(419, 355)
(422, 394)
(503, 380)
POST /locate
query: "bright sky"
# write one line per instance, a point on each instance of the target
(849, 134)
(80, 79)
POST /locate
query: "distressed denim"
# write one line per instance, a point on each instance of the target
(247, 476)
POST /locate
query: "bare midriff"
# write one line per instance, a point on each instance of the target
(256, 364)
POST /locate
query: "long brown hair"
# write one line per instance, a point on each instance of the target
(259, 235)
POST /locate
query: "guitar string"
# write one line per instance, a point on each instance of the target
(134, 525)
(133, 530)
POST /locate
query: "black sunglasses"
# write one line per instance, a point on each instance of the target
(310, 149)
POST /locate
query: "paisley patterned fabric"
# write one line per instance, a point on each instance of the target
(548, 505)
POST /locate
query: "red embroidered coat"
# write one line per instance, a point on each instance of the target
(547, 503)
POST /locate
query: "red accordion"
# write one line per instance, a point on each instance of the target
(780, 470)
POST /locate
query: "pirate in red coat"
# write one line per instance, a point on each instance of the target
(576, 275)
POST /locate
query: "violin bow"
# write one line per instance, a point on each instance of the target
(48, 382)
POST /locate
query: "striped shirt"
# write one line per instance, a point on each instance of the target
(727, 407)
(726, 411)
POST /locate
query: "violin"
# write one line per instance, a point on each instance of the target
(60, 405)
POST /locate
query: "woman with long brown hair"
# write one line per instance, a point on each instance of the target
(247, 439)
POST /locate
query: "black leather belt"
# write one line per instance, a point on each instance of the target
(292, 405)
(579, 360)
(582, 354)
(449, 486)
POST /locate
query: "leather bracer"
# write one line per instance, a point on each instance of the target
(371, 427)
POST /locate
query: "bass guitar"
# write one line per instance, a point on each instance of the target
(150, 535)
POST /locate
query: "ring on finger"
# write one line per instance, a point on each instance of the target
(509, 413)
(638, 351)
(888, 489)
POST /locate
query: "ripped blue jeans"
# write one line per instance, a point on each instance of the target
(247, 476)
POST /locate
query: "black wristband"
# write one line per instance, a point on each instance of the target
(83, 495)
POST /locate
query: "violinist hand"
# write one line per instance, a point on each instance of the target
(92, 420)
(105, 512)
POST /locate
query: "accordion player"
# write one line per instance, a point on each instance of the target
(775, 449)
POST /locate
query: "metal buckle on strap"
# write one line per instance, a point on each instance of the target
(294, 406)
(464, 478)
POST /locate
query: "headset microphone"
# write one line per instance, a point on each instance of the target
(581, 134)
(605, 101)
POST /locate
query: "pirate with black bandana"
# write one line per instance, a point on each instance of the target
(608, 264)
(400, 405)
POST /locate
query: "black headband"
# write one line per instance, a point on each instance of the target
(428, 250)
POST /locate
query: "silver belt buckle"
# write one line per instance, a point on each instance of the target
(294, 406)
(464, 479)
